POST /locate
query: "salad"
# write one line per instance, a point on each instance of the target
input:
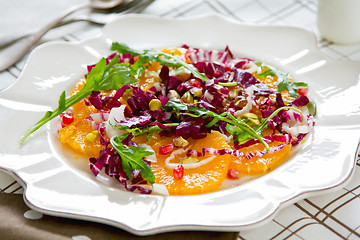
(181, 121)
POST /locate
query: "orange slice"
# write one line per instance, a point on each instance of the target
(202, 179)
(74, 134)
(260, 164)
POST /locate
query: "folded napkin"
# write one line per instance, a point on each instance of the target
(18, 221)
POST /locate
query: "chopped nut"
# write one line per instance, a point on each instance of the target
(187, 97)
(180, 142)
(240, 102)
(173, 94)
(155, 104)
(198, 93)
(251, 119)
(189, 160)
(90, 137)
(127, 95)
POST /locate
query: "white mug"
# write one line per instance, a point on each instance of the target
(339, 20)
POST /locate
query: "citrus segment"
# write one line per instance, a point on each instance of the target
(150, 76)
(260, 164)
(202, 179)
(74, 134)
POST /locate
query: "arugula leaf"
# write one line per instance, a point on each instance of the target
(238, 134)
(284, 82)
(269, 72)
(312, 107)
(125, 49)
(174, 105)
(108, 77)
(145, 130)
(161, 57)
(147, 55)
(292, 87)
(228, 84)
(132, 158)
(62, 100)
(102, 77)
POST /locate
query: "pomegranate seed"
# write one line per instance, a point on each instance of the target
(303, 91)
(188, 51)
(195, 83)
(233, 174)
(179, 171)
(217, 74)
(166, 149)
(67, 118)
(227, 69)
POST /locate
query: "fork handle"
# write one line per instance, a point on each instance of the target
(11, 39)
(14, 52)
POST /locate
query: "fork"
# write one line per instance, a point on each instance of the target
(7, 42)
